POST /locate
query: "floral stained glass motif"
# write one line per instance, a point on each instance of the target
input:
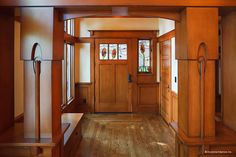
(122, 51)
(144, 58)
(113, 51)
(103, 54)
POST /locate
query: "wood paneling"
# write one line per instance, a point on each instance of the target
(183, 96)
(148, 98)
(73, 135)
(228, 70)
(191, 17)
(174, 107)
(147, 95)
(6, 68)
(103, 3)
(106, 84)
(165, 49)
(56, 97)
(123, 34)
(112, 87)
(121, 84)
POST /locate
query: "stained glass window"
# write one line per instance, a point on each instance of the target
(113, 51)
(144, 57)
(103, 52)
(123, 51)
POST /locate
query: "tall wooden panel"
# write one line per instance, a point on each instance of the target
(228, 70)
(6, 68)
(166, 79)
(196, 51)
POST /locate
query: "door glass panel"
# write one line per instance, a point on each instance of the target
(103, 51)
(144, 58)
(123, 51)
(113, 51)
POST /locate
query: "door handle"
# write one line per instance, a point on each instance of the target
(129, 78)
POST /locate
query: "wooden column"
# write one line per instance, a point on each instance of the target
(6, 68)
(196, 51)
(43, 25)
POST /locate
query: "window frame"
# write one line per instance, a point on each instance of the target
(69, 51)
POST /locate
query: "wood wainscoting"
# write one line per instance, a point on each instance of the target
(82, 102)
(148, 98)
(174, 107)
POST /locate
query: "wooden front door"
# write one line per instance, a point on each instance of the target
(165, 48)
(112, 71)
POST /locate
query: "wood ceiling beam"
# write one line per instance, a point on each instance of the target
(68, 3)
(131, 14)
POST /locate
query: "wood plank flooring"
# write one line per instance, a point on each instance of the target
(125, 135)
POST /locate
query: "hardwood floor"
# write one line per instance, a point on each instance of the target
(125, 135)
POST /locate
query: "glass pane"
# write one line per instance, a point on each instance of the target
(68, 26)
(68, 72)
(144, 60)
(123, 51)
(112, 51)
(103, 52)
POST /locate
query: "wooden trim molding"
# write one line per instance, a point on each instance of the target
(70, 39)
(166, 36)
(19, 118)
(149, 34)
(163, 3)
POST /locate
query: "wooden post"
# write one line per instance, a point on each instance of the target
(37, 99)
(196, 51)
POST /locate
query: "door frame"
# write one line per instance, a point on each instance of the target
(133, 36)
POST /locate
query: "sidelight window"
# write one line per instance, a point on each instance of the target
(144, 56)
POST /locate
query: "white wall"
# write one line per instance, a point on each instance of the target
(18, 74)
(165, 26)
(174, 68)
(86, 24)
(82, 62)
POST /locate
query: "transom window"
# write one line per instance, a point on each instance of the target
(144, 56)
(113, 52)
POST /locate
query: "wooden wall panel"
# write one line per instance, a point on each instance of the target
(56, 97)
(106, 84)
(174, 107)
(6, 68)
(121, 84)
(181, 37)
(229, 70)
(191, 19)
(183, 95)
(148, 98)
